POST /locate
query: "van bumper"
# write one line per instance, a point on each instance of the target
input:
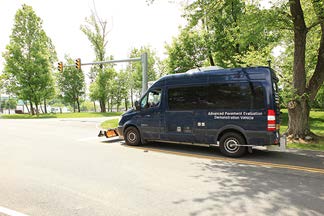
(263, 139)
(120, 132)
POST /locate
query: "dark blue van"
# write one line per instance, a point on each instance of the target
(230, 108)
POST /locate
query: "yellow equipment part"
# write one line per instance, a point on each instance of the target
(111, 133)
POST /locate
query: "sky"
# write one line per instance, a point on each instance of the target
(132, 23)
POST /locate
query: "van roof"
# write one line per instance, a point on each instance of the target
(215, 70)
(254, 73)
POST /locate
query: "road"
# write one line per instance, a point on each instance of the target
(59, 167)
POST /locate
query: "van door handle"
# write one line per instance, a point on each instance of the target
(147, 115)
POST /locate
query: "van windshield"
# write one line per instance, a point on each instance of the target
(151, 99)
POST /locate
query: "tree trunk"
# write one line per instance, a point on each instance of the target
(126, 107)
(37, 109)
(102, 106)
(111, 104)
(78, 103)
(45, 108)
(27, 107)
(298, 113)
(298, 108)
(211, 60)
(41, 108)
(94, 106)
(32, 108)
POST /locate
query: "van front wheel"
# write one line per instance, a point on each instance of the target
(230, 145)
(132, 136)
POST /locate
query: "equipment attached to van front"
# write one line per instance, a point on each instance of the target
(230, 108)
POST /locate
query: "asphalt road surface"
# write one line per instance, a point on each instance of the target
(60, 167)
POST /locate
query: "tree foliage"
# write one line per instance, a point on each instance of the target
(186, 52)
(29, 59)
(227, 33)
(96, 31)
(100, 89)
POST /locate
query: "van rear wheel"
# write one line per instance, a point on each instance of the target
(132, 136)
(230, 145)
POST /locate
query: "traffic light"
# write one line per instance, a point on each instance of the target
(78, 63)
(60, 66)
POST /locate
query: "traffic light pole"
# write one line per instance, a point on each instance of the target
(144, 72)
(143, 60)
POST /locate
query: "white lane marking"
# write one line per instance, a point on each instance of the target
(10, 212)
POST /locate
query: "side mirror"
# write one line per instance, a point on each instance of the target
(137, 106)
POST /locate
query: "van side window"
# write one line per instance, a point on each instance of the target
(188, 98)
(242, 95)
(151, 99)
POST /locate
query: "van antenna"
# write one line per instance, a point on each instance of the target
(198, 67)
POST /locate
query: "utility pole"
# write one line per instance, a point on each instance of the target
(144, 72)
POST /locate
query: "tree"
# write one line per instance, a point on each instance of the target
(29, 59)
(305, 89)
(100, 89)
(120, 88)
(71, 83)
(96, 31)
(186, 52)
(227, 33)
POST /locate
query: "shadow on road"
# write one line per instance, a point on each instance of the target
(246, 189)
(252, 190)
(310, 159)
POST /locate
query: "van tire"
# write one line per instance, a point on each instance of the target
(132, 136)
(228, 145)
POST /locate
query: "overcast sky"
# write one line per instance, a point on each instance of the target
(132, 23)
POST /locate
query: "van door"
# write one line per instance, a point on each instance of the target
(200, 127)
(150, 117)
(178, 126)
(179, 115)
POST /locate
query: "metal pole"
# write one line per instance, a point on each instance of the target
(107, 62)
(144, 72)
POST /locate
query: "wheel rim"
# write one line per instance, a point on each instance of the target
(231, 145)
(131, 136)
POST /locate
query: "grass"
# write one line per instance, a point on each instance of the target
(316, 122)
(111, 123)
(316, 125)
(63, 115)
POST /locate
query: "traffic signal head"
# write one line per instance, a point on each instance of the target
(60, 66)
(78, 63)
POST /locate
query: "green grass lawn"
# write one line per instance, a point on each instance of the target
(316, 122)
(317, 126)
(63, 115)
(112, 123)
